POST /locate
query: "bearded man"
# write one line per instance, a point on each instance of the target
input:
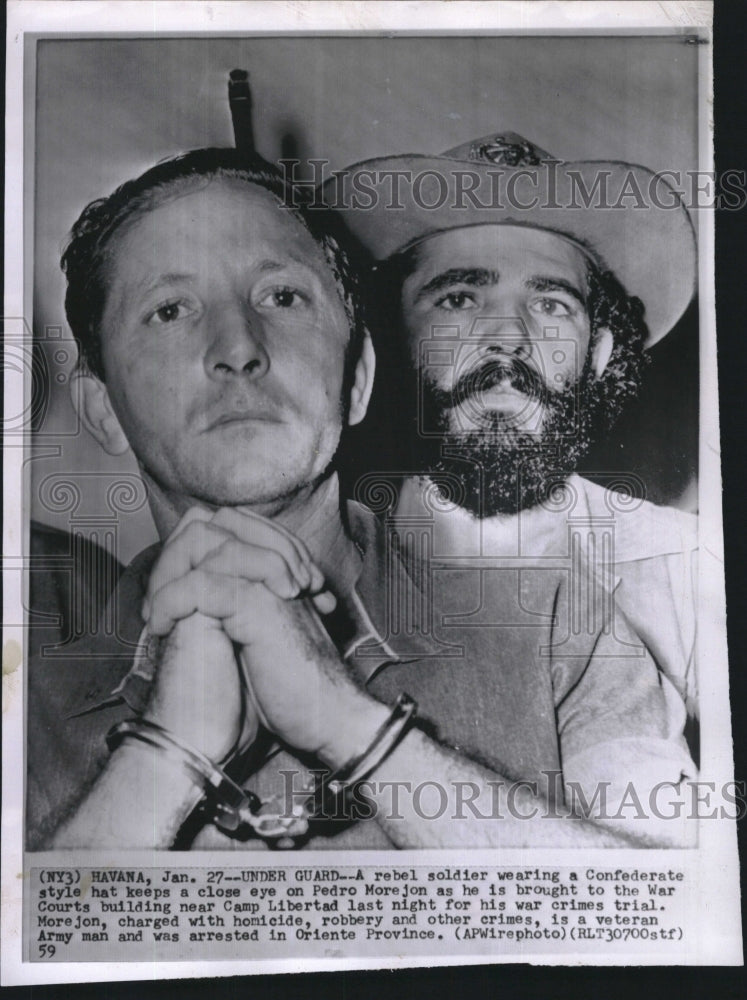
(516, 296)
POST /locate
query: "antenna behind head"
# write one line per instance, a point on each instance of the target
(240, 102)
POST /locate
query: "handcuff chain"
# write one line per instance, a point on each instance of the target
(236, 806)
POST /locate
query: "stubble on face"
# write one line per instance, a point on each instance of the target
(223, 250)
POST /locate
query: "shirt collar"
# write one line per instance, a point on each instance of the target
(117, 660)
(641, 530)
(389, 603)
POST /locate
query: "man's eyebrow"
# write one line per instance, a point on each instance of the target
(544, 283)
(170, 278)
(278, 265)
(176, 278)
(474, 276)
(275, 265)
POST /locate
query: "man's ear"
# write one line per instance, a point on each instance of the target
(360, 394)
(92, 404)
(601, 350)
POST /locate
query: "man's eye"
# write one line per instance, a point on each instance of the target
(551, 307)
(282, 298)
(455, 301)
(169, 312)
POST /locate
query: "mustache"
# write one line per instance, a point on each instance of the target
(498, 370)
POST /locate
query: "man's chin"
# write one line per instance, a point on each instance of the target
(259, 496)
(247, 482)
(499, 423)
(503, 482)
(503, 469)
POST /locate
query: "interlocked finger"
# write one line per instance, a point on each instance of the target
(254, 529)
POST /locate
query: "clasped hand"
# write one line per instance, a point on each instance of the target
(235, 578)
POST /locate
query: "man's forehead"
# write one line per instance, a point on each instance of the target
(219, 210)
(483, 246)
(225, 230)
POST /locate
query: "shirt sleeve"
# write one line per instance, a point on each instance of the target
(620, 721)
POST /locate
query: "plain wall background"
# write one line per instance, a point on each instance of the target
(108, 109)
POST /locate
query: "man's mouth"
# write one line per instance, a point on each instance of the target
(502, 396)
(242, 416)
(499, 384)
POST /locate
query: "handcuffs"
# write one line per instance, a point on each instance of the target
(235, 808)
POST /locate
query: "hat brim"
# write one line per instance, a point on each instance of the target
(627, 218)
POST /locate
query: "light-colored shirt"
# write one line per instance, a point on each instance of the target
(643, 554)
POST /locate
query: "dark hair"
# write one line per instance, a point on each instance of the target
(90, 244)
(610, 306)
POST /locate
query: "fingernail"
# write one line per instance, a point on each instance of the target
(325, 602)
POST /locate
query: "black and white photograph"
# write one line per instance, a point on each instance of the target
(363, 562)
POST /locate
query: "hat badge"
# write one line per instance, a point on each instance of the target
(506, 151)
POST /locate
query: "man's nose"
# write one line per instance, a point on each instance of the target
(503, 334)
(236, 344)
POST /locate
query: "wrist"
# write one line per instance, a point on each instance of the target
(196, 693)
(193, 728)
(356, 722)
(166, 795)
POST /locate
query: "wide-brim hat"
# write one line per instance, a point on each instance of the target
(625, 217)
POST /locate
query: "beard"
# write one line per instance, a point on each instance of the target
(498, 466)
